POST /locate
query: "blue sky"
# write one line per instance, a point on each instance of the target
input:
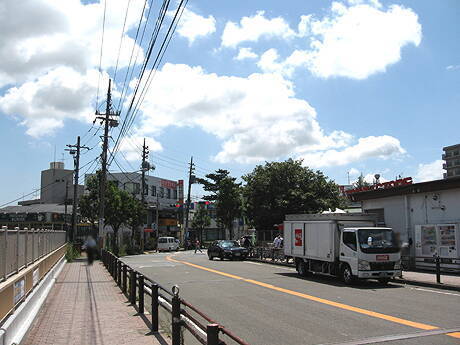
(357, 86)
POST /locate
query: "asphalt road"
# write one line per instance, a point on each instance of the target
(266, 304)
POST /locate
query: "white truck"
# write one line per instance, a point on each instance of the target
(346, 245)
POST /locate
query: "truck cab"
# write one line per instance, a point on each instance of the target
(369, 253)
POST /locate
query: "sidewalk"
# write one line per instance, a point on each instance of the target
(449, 282)
(85, 307)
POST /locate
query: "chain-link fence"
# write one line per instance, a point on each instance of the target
(21, 247)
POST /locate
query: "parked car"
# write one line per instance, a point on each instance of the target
(227, 249)
(168, 243)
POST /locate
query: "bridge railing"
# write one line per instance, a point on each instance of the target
(182, 320)
(21, 247)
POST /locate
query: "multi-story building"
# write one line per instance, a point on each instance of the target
(451, 157)
(161, 197)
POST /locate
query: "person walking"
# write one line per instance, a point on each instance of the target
(90, 246)
(198, 246)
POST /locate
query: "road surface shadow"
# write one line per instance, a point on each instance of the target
(322, 279)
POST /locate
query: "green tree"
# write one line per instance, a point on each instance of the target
(120, 207)
(201, 220)
(361, 182)
(279, 188)
(226, 194)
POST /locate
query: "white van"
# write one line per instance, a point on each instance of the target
(168, 243)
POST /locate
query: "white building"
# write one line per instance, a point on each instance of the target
(160, 195)
(425, 215)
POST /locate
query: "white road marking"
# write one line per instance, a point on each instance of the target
(263, 264)
(439, 292)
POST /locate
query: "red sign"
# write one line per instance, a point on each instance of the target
(298, 237)
(382, 257)
(169, 184)
(385, 185)
(148, 230)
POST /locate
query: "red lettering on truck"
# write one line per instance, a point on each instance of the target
(298, 237)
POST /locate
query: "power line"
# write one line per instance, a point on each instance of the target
(100, 55)
(121, 42)
(42, 188)
(132, 112)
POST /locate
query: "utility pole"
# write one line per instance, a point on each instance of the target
(66, 227)
(75, 151)
(191, 180)
(144, 167)
(108, 122)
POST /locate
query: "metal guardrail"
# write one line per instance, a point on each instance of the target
(270, 253)
(21, 247)
(135, 286)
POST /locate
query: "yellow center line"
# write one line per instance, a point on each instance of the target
(320, 300)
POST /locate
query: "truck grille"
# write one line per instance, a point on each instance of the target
(382, 266)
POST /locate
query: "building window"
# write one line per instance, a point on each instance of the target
(154, 190)
(162, 192)
(175, 194)
(132, 188)
(168, 193)
(380, 212)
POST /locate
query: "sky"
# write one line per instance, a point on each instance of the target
(349, 86)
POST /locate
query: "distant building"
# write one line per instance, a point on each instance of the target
(161, 196)
(451, 157)
(53, 209)
(56, 186)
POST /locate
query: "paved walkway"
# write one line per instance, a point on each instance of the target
(430, 278)
(85, 307)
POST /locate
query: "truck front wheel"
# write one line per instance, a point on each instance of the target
(347, 275)
(302, 268)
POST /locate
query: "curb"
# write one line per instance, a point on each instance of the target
(18, 324)
(426, 284)
(398, 280)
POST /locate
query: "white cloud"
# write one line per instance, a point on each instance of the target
(453, 67)
(269, 62)
(256, 118)
(382, 147)
(40, 35)
(131, 146)
(362, 39)
(251, 29)
(246, 53)
(193, 26)
(354, 172)
(50, 51)
(353, 41)
(43, 105)
(430, 171)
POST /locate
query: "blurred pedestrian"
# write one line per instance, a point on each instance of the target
(197, 246)
(90, 246)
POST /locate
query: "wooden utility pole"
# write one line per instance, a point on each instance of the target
(108, 122)
(75, 151)
(191, 180)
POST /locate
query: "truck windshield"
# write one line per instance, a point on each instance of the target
(377, 241)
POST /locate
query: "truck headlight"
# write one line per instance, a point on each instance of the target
(397, 265)
(363, 265)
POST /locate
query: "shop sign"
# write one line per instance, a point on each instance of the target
(169, 184)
